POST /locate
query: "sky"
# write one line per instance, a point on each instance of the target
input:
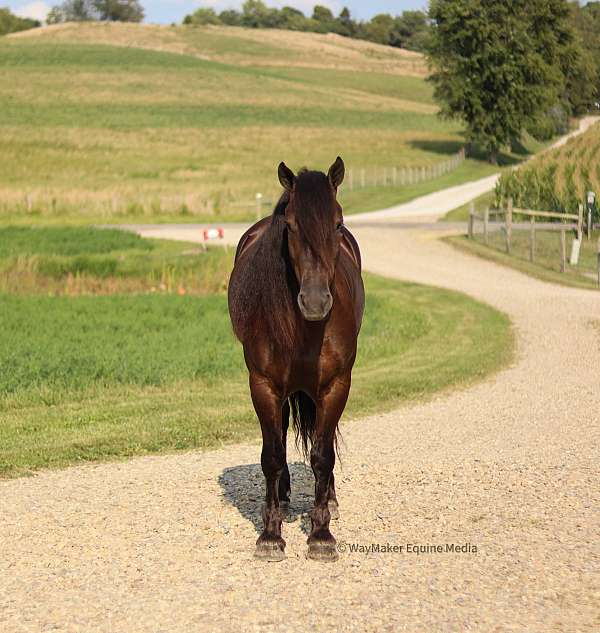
(167, 11)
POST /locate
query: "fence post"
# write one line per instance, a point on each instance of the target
(486, 222)
(509, 214)
(563, 251)
(532, 238)
(362, 178)
(395, 175)
(580, 223)
(471, 218)
(599, 262)
(258, 206)
(351, 180)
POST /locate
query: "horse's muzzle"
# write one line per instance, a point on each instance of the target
(315, 305)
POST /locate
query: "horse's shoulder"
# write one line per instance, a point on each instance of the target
(350, 247)
(251, 236)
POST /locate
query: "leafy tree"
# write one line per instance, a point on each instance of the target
(255, 14)
(230, 17)
(292, 19)
(344, 25)
(497, 64)
(586, 21)
(85, 10)
(379, 28)
(119, 10)
(322, 14)
(411, 30)
(72, 11)
(203, 16)
(10, 23)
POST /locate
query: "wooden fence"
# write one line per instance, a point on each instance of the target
(509, 214)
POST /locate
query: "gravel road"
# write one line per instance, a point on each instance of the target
(507, 469)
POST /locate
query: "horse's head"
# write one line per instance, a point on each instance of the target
(314, 226)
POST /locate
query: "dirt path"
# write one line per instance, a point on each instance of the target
(509, 467)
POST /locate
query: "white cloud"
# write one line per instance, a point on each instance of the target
(34, 10)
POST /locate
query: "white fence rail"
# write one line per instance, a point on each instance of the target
(361, 178)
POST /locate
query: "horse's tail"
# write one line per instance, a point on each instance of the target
(304, 417)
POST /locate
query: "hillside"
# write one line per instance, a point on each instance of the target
(557, 180)
(244, 47)
(121, 120)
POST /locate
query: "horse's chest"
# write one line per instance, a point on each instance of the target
(317, 364)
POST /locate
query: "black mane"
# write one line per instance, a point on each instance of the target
(264, 290)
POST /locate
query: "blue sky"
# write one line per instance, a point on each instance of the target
(167, 11)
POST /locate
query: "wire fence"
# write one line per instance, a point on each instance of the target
(361, 178)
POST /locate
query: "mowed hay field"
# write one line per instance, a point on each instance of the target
(115, 122)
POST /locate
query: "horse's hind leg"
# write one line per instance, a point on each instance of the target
(270, 545)
(284, 479)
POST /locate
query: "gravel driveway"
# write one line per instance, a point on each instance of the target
(508, 470)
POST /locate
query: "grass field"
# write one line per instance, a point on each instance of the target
(75, 261)
(547, 256)
(87, 378)
(115, 122)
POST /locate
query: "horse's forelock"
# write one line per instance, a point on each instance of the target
(314, 207)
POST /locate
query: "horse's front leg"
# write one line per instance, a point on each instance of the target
(321, 543)
(268, 406)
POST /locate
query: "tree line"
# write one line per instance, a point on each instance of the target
(410, 30)
(10, 23)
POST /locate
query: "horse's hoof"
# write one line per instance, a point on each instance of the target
(269, 552)
(334, 509)
(324, 552)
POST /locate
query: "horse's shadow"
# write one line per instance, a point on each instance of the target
(244, 487)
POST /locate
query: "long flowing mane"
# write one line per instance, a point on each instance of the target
(263, 291)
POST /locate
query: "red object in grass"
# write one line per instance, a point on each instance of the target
(213, 234)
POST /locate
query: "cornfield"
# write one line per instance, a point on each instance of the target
(557, 180)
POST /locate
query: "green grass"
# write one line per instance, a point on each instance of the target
(87, 378)
(547, 257)
(80, 260)
(67, 241)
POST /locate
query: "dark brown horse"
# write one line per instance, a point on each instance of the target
(296, 302)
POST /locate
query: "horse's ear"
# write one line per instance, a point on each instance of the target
(286, 176)
(336, 173)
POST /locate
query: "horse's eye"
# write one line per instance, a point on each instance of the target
(340, 226)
